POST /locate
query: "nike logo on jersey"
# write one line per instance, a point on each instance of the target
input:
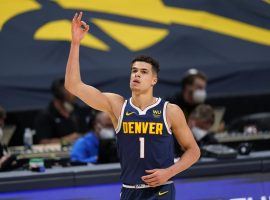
(129, 113)
(162, 193)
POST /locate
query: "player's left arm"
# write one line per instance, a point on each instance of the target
(176, 120)
(184, 137)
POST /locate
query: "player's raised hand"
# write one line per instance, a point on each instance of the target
(79, 28)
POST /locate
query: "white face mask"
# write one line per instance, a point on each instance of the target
(199, 96)
(198, 133)
(1, 133)
(106, 133)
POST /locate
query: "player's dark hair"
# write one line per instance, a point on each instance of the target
(147, 59)
(57, 89)
(190, 77)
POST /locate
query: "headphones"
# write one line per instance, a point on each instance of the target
(58, 90)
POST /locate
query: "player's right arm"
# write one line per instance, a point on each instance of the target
(110, 103)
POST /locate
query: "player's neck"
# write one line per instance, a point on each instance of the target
(142, 100)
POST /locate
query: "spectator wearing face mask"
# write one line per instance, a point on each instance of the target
(200, 121)
(86, 148)
(62, 121)
(193, 91)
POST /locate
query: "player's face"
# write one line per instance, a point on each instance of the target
(142, 76)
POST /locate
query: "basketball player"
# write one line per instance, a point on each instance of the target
(144, 125)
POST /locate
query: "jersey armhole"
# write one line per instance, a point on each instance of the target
(120, 118)
(165, 117)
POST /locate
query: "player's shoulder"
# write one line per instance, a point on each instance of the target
(171, 107)
(116, 98)
(116, 103)
(174, 114)
(173, 110)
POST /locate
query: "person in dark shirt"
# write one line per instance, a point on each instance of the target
(193, 91)
(62, 120)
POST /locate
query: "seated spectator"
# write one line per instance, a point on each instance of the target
(200, 121)
(61, 121)
(193, 91)
(86, 148)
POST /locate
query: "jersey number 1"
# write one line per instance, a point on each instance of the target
(141, 147)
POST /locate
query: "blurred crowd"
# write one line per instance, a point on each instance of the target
(91, 134)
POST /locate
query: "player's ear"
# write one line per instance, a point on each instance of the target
(154, 82)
